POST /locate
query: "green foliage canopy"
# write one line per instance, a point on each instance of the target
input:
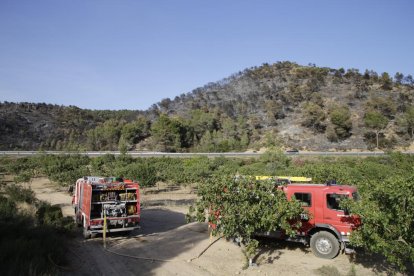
(387, 213)
(314, 117)
(341, 119)
(241, 207)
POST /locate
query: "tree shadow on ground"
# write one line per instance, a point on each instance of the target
(169, 188)
(157, 220)
(269, 251)
(377, 263)
(164, 242)
(161, 190)
(168, 202)
(163, 239)
(274, 244)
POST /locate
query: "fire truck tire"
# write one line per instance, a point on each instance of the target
(78, 221)
(86, 233)
(324, 245)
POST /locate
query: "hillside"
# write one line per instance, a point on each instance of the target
(304, 107)
(40, 126)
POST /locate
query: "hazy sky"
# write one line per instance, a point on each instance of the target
(129, 54)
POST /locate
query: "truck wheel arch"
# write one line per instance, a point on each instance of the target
(325, 227)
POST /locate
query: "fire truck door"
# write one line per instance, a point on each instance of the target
(333, 214)
(307, 218)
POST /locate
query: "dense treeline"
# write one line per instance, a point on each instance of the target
(385, 184)
(306, 106)
(45, 126)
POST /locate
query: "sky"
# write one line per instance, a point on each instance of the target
(130, 54)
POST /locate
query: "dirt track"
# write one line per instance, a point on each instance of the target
(166, 245)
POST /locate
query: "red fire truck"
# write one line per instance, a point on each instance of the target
(108, 202)
(326, 227)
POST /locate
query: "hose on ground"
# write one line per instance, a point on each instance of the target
(162, 260)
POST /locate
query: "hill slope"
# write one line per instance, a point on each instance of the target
(304, 107)
(34, 126)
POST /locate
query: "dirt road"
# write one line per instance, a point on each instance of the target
(47, 191)
(166, 245)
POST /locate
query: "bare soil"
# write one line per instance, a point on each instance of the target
(166, 245)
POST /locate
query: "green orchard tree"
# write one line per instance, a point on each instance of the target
(239, 207)
(275, 160)
(386, 210)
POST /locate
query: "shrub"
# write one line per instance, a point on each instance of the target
(196, 170)
(20, 194)
(25, 164)
(275, 160)
(7, 208)
(143, 171)
(65, 169)
(387, 214)
(26, 248)
(23, 177)
(51, 215)
(48, 214)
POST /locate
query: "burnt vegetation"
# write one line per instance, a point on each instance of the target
(305, 107)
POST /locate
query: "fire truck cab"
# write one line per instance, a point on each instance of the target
(326, 227)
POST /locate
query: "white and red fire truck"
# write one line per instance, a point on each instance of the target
(107, 204)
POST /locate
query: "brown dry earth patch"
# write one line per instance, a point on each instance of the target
(166, 245)
(47, 191)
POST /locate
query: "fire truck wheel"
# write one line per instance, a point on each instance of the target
(78, 221)
(324, 245)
